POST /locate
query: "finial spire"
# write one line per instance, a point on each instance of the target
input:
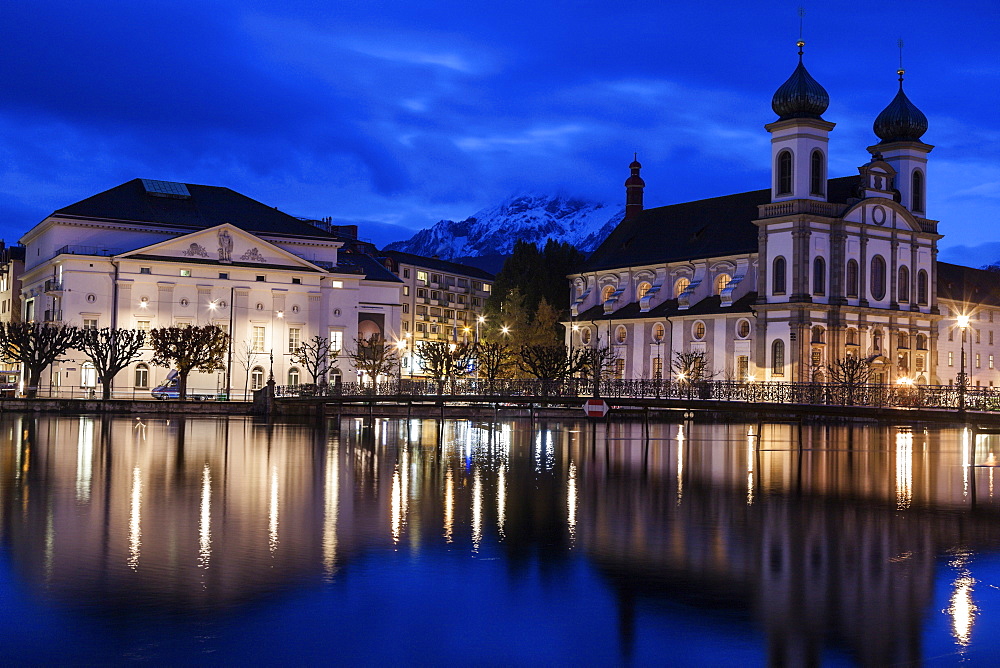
(801, 43)
(900, 71)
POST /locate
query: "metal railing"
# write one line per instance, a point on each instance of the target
(823, 394)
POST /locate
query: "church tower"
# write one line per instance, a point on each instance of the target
(900, 127)
(633, 190)
(799, 138)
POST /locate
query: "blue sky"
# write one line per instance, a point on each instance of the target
(397, 114)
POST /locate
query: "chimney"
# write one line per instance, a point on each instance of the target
(633, 191)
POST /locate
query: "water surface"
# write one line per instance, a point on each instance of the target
(560, 542)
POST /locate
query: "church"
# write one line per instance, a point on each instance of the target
(781, 283)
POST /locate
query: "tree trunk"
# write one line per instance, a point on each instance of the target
(106, 389)
(34, 378)
(182, 384)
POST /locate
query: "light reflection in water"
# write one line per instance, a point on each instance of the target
(680, 463)
(477, 509)
(205, 523)
(966, 448)
(449, 504)
(272, 511)
(84, 458)
(135, 519)
(751, 447)
(331, 508)
(961, 606)
(501, 499)
(904, 469)
(396, 502)
(571, 502)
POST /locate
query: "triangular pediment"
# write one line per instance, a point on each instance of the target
(224, 244)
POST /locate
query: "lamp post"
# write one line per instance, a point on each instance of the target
(400, 348)
(963, 324)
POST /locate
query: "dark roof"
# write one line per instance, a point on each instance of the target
(206, 207)
(704, 228)
(965, 284)
(440, 265)
(360, 263)
(668, 309)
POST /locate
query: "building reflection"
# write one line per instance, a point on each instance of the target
(821, 536)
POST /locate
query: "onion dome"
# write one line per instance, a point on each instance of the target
(801, 96)
(901, 120)
(635, 180)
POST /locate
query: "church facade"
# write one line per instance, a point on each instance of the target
(779, 284)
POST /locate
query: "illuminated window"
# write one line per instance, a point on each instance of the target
(257, 378)
(337, 341)
(293, 376)
(642, 289)
(257, 338)
(585, 336)
(680, 286)
(619, 369)
(699, 330)
(621, 334)
(422, 276)
(607, 292)
(143, 326)
(743, 329)
(142, 376)
(294, 339)
(90, 323)
(778, 358)
(88, 375)
(185, 272)
(722, 282)
(658, 332)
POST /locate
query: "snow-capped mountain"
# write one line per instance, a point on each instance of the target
(533, 217)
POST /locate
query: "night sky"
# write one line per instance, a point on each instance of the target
(394, 115)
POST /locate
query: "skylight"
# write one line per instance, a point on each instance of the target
(165, 189)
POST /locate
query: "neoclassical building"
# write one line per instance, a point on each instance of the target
(776, 284)
(150, 254)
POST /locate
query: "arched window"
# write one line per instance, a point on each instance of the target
(921, 287)
(817, 334)
(680, 286)
(852, 278)
(722, 282)
(878, 277)
(852, 337)
(819, 276)
(743, 328)
(778, 276)
(778, 358)
(658, 332)
(902, 340)
(621, 335)
(921, 342)
(642, 289)
(293, 376)
(607, 292)
(785, 173)
(141, 376)
(917, 190)
(257, 378)
(585, 336)
(698, 331)
(903, 288)
(88, 375)
(816, 173)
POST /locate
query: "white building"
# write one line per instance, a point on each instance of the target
(150, 254)
(776, 284)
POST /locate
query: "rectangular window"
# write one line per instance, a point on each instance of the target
(420, 326)
(991, 361)
(294, 339)
(421, 310)
(435, 311)
(462, 299)
(145, 270)
(434, 329)
(657, 368)
(463, 283)
(142, 325)
(406, 308)
(90, 323)
(435, 278)
(337, 284)
(406, 324)
(406, 273)
(435, 294)
(422, 276)
(951, 358)
(619, 369)
(185, 272)
(224, 275)
(406, 290)
(487, 287)
(449, 314)
(257, 338)
(422, 293)
(336, 341)
(977, 361)
(742, 367)
(477, 285)
(296, 281)
(261, 278)
(991, 337)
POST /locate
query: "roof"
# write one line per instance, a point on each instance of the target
(704, 228)
(360, 263)
(207, 206)
(668, 309)
(965, 284)
(439, 265)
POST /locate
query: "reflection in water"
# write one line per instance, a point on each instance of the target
(828, 537)
(205, 523)
(135, 519)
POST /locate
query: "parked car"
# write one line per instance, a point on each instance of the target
(170, 389)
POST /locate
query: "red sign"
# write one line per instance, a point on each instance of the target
(597, 408)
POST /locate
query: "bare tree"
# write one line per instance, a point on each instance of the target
(598, 363)
(35, 346)
(446, 361)
(493, 359)
(374, 356)
(189, 348)
(550, 362)
(851, 374)
(111, 350)
(690, 367)
(246, 355)
(317, 357)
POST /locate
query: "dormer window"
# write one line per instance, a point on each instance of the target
(680, 286)
(642, 289)
(722, 282)
(607, 292)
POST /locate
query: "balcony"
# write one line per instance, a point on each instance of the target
(52, 315)
(103, 251)
(53, 285)
(798, 206)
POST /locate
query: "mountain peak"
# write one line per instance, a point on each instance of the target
(524, 216)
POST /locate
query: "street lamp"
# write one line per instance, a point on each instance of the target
(480, 320)
(963, 324)
(400, 347)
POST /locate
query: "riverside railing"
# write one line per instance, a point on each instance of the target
(825, 394)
